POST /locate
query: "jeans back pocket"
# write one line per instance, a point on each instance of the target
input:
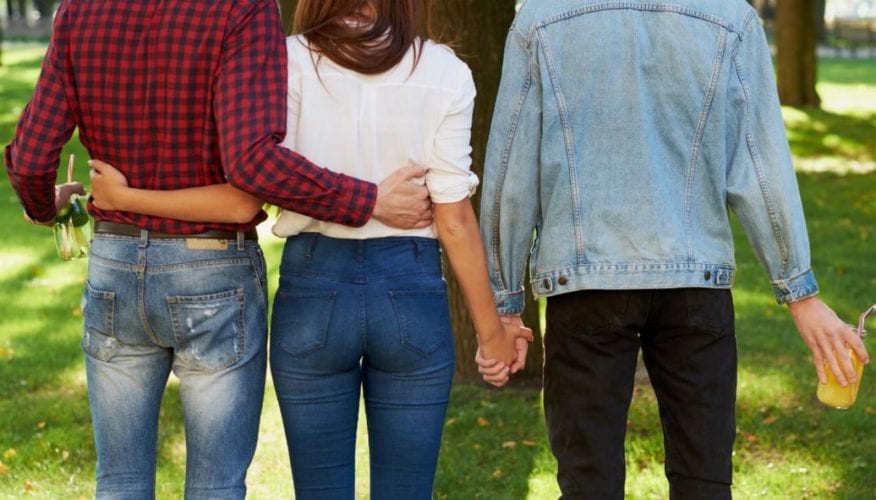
(210, 330)
(98, 309)
(423, 318)
(301, 320)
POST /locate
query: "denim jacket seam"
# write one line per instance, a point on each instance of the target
(698, 136)
(677, 9)
(500, 184)
(756, 159)
(568, 139)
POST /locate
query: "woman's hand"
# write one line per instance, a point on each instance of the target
(107, 185)
(499, 344)
(494, 369)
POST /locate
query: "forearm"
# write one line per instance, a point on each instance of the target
(252, 81)
(213, 203)
(458, 231)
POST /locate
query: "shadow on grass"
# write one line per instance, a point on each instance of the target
(490, 444)
(823, 133)
(780, 422)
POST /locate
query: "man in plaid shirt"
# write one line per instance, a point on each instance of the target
(178, 94)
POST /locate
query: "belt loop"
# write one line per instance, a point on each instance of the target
(309, 243)
(360, 250)
(418, 248)
(144, 238)
(240, 243)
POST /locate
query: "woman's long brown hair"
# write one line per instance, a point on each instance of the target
(366, 36)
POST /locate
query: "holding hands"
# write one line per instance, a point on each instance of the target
(499, 358)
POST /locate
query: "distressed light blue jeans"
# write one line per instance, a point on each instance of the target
(370, 317)
(152, 306)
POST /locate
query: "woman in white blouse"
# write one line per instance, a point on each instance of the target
(366, 308)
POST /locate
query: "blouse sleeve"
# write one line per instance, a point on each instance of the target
(450, 178)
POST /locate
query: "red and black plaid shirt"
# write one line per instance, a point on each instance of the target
(174, 94)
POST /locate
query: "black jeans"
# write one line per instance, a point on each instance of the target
(688, 344)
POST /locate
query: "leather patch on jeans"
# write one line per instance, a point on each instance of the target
(206, 244)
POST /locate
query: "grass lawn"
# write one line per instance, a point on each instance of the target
(495, 446)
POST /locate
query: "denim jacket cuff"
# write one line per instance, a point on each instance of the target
(509, 302)
(795, 288)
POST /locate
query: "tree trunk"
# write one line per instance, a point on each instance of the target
(477, 31)
(287, 13)
(820, 25)
(795, 43)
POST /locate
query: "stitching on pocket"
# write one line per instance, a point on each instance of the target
(98, 312)
(406, 315)
(209, 329)
(302, 318)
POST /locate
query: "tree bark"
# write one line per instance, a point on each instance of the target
(287, 13)
(795, 44)
(820, 25)
(477, 30)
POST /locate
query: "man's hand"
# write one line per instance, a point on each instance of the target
(63, 192)
(521, 342)
(403, 203)
(829, 339)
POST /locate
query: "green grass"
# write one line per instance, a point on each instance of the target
(495, 445)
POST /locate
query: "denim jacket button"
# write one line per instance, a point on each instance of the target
(708, 275)
(562, 280)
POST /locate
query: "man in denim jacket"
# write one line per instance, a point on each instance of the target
(627, 132)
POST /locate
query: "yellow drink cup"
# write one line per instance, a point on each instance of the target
(835, 395)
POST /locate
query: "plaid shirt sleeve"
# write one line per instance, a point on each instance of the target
(249, 105)
(44, 127)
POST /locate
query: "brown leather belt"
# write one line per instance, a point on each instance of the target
(106, 227)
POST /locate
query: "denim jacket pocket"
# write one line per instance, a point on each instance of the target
(301, 320)
(423, 316)
(98, 309)
(209, 329)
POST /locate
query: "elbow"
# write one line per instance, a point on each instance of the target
(246, 211)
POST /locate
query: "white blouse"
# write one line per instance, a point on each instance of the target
(367, 126)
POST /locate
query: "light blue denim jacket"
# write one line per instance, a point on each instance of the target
(624, 134)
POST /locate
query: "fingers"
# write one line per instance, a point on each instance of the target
(494, 372)
(97, 165)
(410, 172)
(521, 344)
(525, 333)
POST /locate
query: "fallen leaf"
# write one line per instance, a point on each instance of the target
(770, 420)
(28, 485)
(451, 421)
(41, 425)
(528, 442)
(3, 468)
(482, 422)
(870, 410)
(497, 473)
(509, 444)
(476, 446)
(749, 437)
(5, 352)
(76, 312)
(65, 455)
(10, 453)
